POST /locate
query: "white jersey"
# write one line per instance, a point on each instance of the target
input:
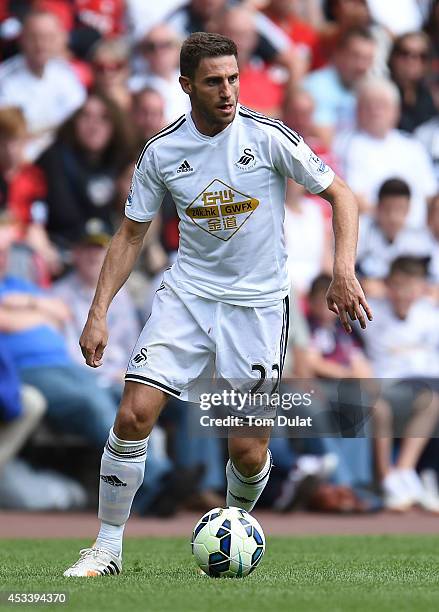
(229, 190)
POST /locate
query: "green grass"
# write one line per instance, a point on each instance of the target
(313, 574)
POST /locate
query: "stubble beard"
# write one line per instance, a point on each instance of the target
(209, 115)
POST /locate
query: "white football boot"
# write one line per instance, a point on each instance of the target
(95, 562)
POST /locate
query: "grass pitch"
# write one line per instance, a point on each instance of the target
(312, 574)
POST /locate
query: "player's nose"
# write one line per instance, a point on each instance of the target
(226, 91)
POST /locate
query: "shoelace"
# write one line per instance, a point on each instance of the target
(87, 552)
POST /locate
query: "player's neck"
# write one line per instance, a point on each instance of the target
(204, 126)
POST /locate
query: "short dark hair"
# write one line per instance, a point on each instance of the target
(320, 285)
(352, 33)
(394, 187)
(411, 266)
(200, 45)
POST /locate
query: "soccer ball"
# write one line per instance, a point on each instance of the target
(228, 542)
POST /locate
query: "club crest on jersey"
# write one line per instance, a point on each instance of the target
(318, 163)
(221, 210)
(140, 359)
(247, 159)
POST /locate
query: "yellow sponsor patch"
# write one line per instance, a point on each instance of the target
(221, 210)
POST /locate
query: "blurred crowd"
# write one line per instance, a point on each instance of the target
(83, 85)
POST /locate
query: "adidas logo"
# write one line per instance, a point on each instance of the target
(185, 167)
(241, 499)
(114, 481)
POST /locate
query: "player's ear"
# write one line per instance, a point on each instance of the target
(185, 85)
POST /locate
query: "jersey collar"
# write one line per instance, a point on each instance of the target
(217, 137)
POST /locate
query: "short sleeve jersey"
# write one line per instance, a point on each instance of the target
(229, 190)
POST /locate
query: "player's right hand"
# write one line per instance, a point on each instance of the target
(93, 340)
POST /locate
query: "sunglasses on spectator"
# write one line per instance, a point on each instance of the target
(408, 54)
(109, 66)
(152, 47)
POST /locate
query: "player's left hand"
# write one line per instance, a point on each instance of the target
(346, 298)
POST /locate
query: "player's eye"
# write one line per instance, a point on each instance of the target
(233, 78)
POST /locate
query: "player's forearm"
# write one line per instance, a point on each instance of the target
(118, 264)
(345, 226)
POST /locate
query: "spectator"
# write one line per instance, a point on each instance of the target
(376, 151)
(336, 361)
(333, 87)
(403, 344)
(45, 87)
(273, 46)
(21, 487)
(110, 64)
(333, 353)
(81, 168)
(77, 290)
(23, 191)
(285, 14)
(30, 321)
(157, 67)
(29, 328)
(258, 88)
(344, 15)
(386, 236)
(409, 62)
(63, 11)
(148, 114)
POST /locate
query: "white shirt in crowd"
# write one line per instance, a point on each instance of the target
(305, 242)
(399, 16)
(375, 253)
(403, 348)
(367, 162)
(46, 101)
(229, 190)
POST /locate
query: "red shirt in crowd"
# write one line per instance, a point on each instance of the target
(302, 35)
(106, 16)
(258, 90)
(17, 195)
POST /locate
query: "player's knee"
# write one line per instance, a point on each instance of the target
(249, 459)
(133, 422)
(138, 412)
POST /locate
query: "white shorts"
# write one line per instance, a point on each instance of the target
(188, 339)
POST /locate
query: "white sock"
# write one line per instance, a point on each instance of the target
(244, 491)
(122, 471)
(110, 538)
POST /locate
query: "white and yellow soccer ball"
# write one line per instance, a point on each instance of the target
(228, 542)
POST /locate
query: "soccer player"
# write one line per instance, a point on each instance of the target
(223, 305)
